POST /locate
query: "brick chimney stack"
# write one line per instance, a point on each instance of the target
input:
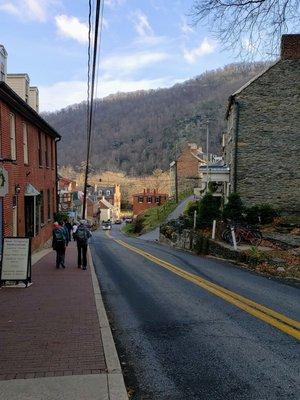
(290, 47)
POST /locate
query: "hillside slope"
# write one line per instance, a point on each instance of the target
(140, 131)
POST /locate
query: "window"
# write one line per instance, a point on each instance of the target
(42, 208)
(108, 193)
(46, 152)
(100, 192)
(49, 204)
(40, 149)
(149, 199)
(12, 128)
(140, 199)
(157, 199)
(25, 143)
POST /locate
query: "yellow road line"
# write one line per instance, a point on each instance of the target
(280, 321)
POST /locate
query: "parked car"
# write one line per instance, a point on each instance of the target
(118, 221)
(106, 226)
(128, 220)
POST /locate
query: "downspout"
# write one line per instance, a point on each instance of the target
(56, 173)
(237, 110)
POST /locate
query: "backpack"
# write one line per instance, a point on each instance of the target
(58, 235)
(81, 235)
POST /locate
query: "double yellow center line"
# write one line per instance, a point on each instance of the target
(279, 321)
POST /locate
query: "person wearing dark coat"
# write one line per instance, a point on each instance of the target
(59, 242)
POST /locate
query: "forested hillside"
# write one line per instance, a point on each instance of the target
(141, 131)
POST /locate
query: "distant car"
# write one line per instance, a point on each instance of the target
(128, 220)
(106, 226)
(118, 221)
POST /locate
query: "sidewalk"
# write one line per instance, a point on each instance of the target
(55, 340)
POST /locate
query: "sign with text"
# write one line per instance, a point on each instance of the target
(16, 259)
(3, 182)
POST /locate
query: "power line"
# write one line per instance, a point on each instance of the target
(91, 100)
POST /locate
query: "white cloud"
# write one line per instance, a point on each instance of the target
(185, 28)
(141, 24)
(144, 29)
(9, 8)
(35, 10)
(71, 27)
(125, 63)
(62, 94)
(205, 47)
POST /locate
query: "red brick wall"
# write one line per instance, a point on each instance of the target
(42, 178)
(187, 164)
(140, 207)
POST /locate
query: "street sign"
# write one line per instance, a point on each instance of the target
(3, 182)
(16, 260)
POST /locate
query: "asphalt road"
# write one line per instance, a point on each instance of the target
(179, 341)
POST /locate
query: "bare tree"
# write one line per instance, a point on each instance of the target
(248, 26)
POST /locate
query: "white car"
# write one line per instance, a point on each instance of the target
(106, 226)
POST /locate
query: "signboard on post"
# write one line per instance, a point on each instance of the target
(16, 260)
(3, 182)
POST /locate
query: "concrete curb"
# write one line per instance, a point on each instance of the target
(115, 380)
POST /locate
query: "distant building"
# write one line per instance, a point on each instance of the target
(146, 200)
(106, 210)
(263, 135)
(66, 189)
(28, 156)
(113, 195)
(186, 166)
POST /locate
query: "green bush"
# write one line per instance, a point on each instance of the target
(191, 207)
(260, 214)
(234, 208)
(61, 216)
(208, 210)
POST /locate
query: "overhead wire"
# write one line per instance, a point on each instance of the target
(90, 109)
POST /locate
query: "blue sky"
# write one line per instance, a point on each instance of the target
(146, 44)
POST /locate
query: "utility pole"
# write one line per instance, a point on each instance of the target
(207, 149)
(176, 182)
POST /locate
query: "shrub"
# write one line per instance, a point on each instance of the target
(191, 207)
(61, 216)
(208, 210)
(234, 208)
(201, 245)
(262, 214)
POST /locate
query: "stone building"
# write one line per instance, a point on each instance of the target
(187, 165)
(263, 135)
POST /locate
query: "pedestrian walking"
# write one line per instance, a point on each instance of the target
(82, 236)
(59, 242)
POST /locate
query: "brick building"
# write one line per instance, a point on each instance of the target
(187, 164)
(263, 135)
(28, 154)
(146, 200)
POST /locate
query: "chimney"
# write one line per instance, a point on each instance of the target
(3, 63)
(290, 47)
(34, 98)
(144, 191)
(20, 84)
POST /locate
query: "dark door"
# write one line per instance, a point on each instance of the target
(29, 216)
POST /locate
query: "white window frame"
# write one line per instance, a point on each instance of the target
(12, 132)
(25, 144)
(108, 193)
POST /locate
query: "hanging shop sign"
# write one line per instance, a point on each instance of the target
(3, 182)
(16, 260)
